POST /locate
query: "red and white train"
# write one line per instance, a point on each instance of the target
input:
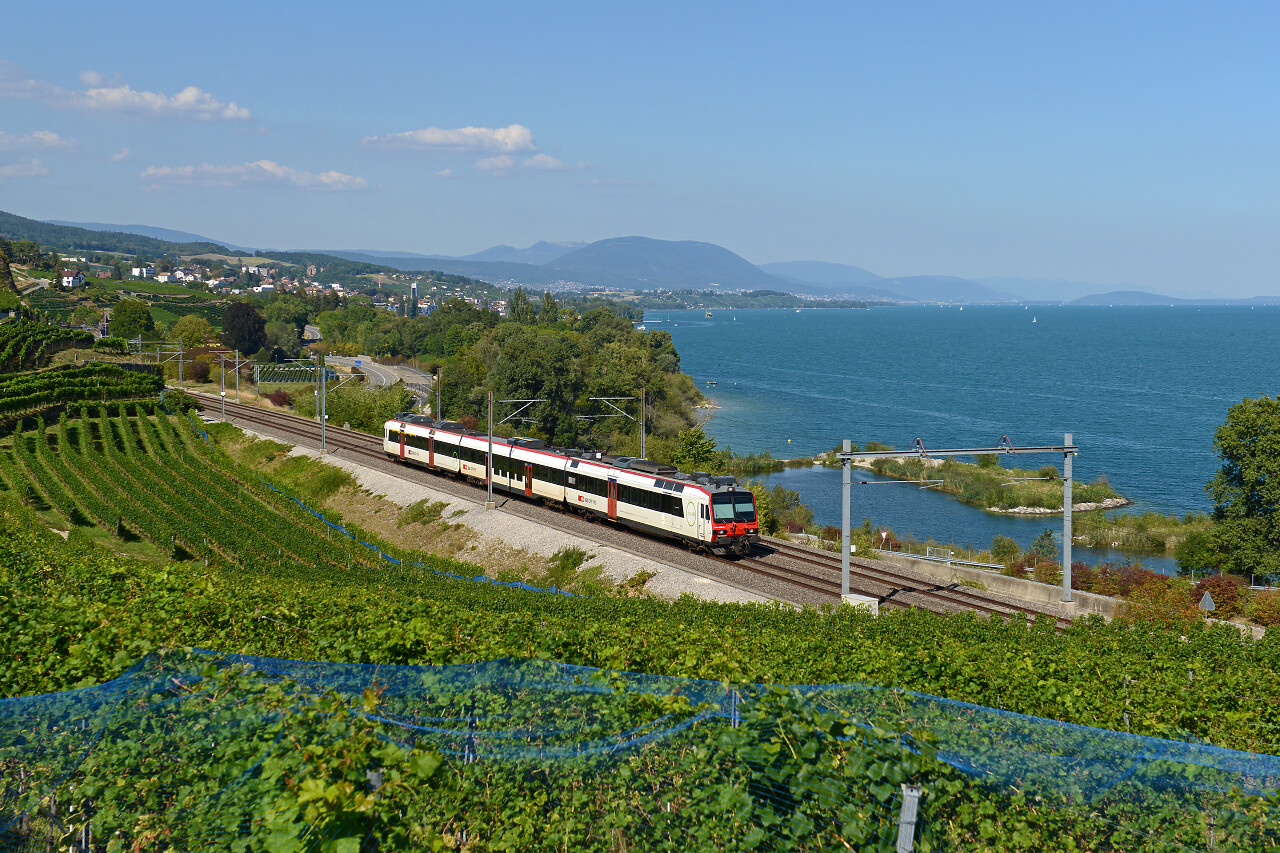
(713, 513)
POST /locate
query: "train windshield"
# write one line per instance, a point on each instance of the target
(733, 506)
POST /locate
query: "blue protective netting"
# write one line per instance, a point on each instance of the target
(509, 718)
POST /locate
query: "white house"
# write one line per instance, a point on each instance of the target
(143, 272)
(163, 277)
(72, 278)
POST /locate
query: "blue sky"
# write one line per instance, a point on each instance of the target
(1125, 144)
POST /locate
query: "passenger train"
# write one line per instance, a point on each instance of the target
(711, 513)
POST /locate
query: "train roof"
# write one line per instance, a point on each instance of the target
(660, 470)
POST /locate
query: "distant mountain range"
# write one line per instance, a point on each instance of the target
(1140, 297)
(167, 234)
(643, 263)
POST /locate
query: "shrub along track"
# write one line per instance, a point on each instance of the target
(772, 570)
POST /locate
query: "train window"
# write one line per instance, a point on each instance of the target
(733, 506)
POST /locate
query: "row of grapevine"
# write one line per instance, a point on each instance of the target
(25, 345)
(141, 474)
(94, 381)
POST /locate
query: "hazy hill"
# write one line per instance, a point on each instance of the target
(167, 234)
(1127, 297)
(665, 264)
(1042, 289)
(66, 238)
(539, 253)
(822, 272)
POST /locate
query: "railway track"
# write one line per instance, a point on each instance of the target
(815, 573)
(892, 588)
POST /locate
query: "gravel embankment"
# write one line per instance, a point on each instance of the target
(544, 531)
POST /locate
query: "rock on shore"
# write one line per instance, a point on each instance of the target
(1109, 503)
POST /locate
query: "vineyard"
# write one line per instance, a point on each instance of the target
(26, 345)
(98, 381)
(574, 758)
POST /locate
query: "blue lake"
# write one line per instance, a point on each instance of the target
(1142, 390)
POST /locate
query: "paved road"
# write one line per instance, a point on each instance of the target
(383, 375)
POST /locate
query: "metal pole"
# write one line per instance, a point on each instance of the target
(323, 414)
(844, 523)
(439, 412)
(1066, 521)
(222, 371)
(642, 415)
(489, 504)
(237, 376)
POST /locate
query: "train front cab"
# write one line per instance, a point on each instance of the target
(734, 526)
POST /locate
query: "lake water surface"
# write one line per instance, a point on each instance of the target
(1142, 390)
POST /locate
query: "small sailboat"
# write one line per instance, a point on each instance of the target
(1033, 319)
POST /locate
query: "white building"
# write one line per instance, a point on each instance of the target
(143, 272)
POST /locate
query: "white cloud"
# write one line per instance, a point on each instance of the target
(120, 156)
(191, 102)
(495, 165)
(97, 96)
(512, 139)
(30, 169)
(258, 172)
(445, 173)
(547, 162)
(43, 139)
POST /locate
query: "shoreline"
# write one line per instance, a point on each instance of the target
(1109, 503)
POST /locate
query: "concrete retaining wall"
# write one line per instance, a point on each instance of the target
(1030, 591)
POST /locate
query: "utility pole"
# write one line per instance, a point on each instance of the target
(237, 376)
(1066, 520)
(323, 415)
(179, 364)
(488, 465)
(489, 504)
(222, 372)
(642, 420)
(1004, 446)
(845, 537)
(439, 412)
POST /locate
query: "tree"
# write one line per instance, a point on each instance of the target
(131, 318)
(549, 313)
(1246, 490)
(243, 328)
(6, 275)
(1196, 553)
(86, 315)
(287, 309)
(1004, 549)
(26, 252)
(520, 309)
(1043, 546)
(695, 450)
(194, 331)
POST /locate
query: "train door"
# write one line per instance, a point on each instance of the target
(402, 445)
(528, 479)
(702, 523)
(613, 498)
(431, 451)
